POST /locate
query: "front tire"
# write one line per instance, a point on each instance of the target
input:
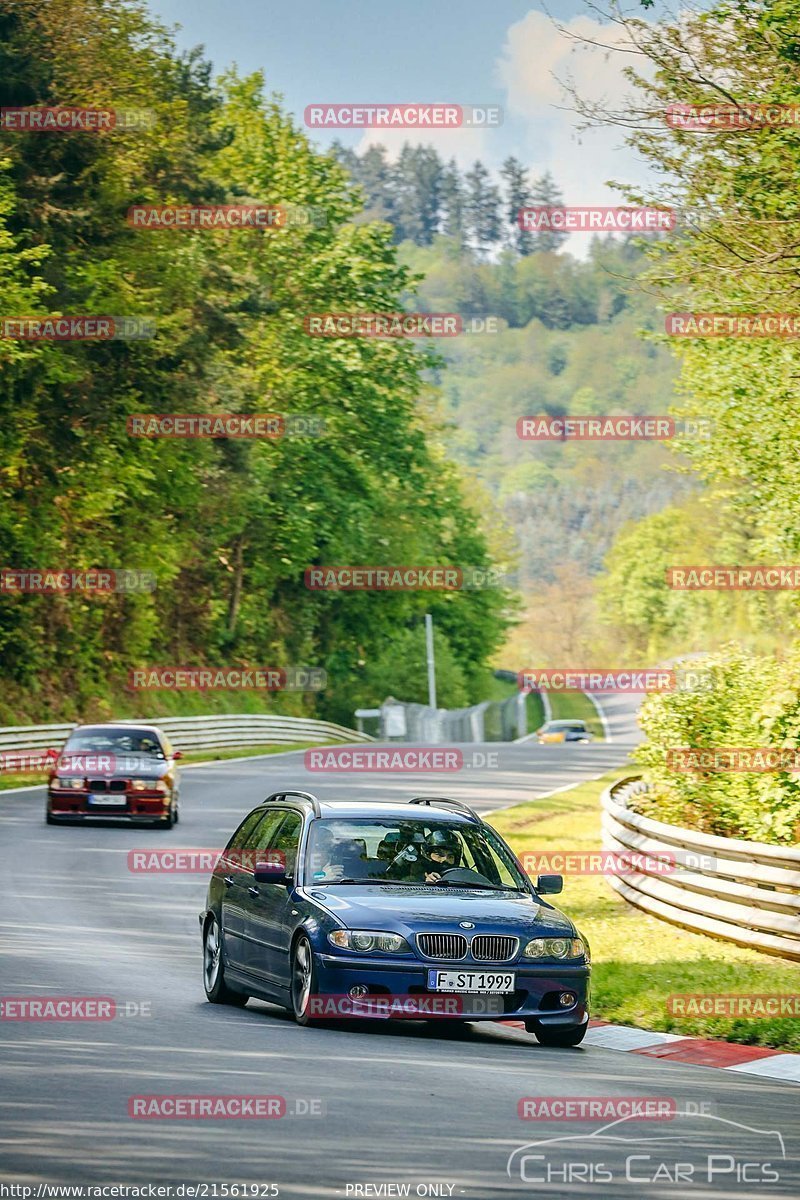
(217, 991)
(304, 980)
(557, 1037)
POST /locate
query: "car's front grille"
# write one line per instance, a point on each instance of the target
(442, 945)
(106, 785)
(488, 948)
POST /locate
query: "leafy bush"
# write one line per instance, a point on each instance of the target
(754, 702)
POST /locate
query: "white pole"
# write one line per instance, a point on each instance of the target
(431, 660)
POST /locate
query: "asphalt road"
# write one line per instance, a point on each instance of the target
(395, 1104)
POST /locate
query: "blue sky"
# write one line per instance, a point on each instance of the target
(471, 52)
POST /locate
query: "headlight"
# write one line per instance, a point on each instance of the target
(148, 785)
(555, 948)
(71, 781)
(368, 940)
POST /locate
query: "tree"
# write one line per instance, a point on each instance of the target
(452, 201)
(482, 210)
(545, 192)
(517, 197)
(227, 527)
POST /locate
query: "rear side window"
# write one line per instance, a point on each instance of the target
(243, 833)
(287, 841)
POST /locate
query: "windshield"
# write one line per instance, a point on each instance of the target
(115, 740)
(424, 853)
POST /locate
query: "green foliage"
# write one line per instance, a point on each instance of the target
(736, 252)
(652, 620)
(227, 527)
(572, 346)
(753, 702)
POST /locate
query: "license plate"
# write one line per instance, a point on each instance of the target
(108, 801)
(471, 981)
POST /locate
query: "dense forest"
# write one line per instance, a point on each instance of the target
(419, 462)
(227, 527)
(421, 196)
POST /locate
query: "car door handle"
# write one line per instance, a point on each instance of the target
(253, 891)
(229, 881)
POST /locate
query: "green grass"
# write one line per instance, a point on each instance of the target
(577, 706)
(499, 689)
(535, 711)
(40, 777)
(639, 961)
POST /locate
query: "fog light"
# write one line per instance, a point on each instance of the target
(566, 999)
(358, 990)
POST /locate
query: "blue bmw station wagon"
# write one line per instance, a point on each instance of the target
(385, 909)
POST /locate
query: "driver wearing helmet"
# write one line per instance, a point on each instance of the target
(441, 851)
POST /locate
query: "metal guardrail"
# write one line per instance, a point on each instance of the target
(744, 892)
(213, 732)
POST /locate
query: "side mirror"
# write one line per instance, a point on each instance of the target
(550, 885)
(270, 872)
(176, 754)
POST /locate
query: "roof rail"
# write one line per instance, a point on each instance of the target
(445, 800)
(312, 800)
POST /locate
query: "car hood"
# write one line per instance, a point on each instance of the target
(411, 909)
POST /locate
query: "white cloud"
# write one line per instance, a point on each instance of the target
(537, 58)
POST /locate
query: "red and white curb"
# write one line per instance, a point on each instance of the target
(701, 1052)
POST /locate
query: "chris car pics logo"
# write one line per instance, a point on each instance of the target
(701, 1154)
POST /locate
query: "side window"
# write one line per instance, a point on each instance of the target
(261, 837)
(285, 840)
(240, 838)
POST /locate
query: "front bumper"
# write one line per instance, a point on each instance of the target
(65, 804)
(538, 987)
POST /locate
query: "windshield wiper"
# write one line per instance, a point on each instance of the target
(486, 887)
(329, 882)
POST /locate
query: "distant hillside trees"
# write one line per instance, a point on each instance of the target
(422, 196)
